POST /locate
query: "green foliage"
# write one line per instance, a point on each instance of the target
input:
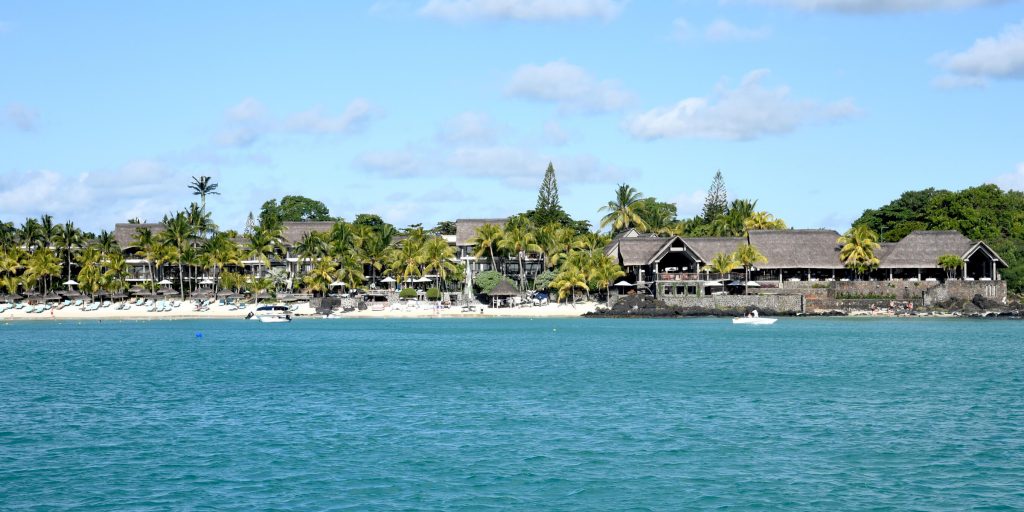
(716, 201)
(444, 227)
(857, 251)
(548, 208)
(407, 293)
(433, 294)
(544, 279)
(622, 211)
(486, 281)
(657, 216)
(371, 221)
(980, 213)
(950, 263)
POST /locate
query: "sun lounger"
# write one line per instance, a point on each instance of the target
(78, 302)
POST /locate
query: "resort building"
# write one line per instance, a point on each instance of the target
(678, 266)
(465, 233)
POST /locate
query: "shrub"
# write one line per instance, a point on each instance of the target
(544, 279)
(486, 281)
(433, 294)
(407, 293)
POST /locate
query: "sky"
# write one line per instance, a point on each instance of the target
(430, 110)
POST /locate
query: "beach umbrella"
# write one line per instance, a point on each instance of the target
(336, 284)
(623, 283)
(51, 296)
(71, 294)
(164, 282)
(9, 298)
(236, 296)
(224, 293)
(118, 296)
(753, 284)
(70, 282)
(388, 279)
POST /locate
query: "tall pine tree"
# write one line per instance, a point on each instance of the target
(716, 202)
(548, 208)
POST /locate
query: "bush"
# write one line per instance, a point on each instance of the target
(407, 293)
(544, 280)
(486, 281)
(433, 294)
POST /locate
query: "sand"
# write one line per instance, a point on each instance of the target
(188, 311)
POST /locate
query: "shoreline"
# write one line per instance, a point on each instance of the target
(186, 312)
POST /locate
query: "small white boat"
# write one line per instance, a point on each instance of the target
(271, 314)
(753, 320)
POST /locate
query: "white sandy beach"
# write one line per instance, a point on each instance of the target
(188, 311)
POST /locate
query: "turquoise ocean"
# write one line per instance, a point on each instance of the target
(495, 414)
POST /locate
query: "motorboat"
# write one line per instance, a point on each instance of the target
(754, 319)
(271, 314)
(751, 320)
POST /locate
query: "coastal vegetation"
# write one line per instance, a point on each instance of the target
(41, 255)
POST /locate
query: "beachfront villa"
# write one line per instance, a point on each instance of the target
(465, 232)
(676, 265)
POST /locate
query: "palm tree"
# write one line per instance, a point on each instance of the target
(107, 243)
(721, 263)
(202, 187)
(404, 260)
(747, 256)
(8, 234)
(200, 219)
(762, 220)
(116, 272)
(69, 241)
(568, 280)
(604, 271)
(557, 242)
(486, 239)
(263, 243)
(43, 265)
(858, 249)
(311, 248)
(219, 250)
(438, 258)
(48, 230)
(144, 240)
(30, 234)
(622, 211)
(89, 276)
(519, 241)
(178, 232)
(319, 278)
(950, 263)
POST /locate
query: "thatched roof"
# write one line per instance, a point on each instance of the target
(921, 249)
(706, 248)
(798, 248)
(465, 229)
(294, 231)
(641, 251)
(504, 289)
(124, 233)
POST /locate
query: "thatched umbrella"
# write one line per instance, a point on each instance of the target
(51, 297)
(71, 294)
(9, 297)
(502, 289)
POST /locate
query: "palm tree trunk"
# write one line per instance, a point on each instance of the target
(181, 279)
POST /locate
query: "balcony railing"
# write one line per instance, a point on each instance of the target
(693, 276)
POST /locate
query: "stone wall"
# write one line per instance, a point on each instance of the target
(966, 290)
(778, 303)
(822, 305)
(888, 290)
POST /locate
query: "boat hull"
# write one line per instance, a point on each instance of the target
(273, 319)
(754, 321)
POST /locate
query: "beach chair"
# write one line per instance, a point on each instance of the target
(78, 302)
(106, 304)
(20, 305)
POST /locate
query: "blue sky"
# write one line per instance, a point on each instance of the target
(429, 110)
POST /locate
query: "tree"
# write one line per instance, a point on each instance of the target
(657, 216)
(721, 263)
(69, 242)
(371, 221)
(444, 227)
(319, 278)
(178, 232)
(486, 239)
(487, 280)
(263, 243)
(716, 201)
(569, 279)
(950, 263)
(622, 211)
(202, 187)
(438, 258)
(220, 251)
(761, 220)
(519, 241)
(299, 208)
(858, 249)
(548, 208)
(747, 256)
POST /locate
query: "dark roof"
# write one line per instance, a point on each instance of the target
(465, 229)
(294, 231)
(706, 248)
(921, 249)
(124, 233)
(797, 248)
(640, 251)
(503, 289)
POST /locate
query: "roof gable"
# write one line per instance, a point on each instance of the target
(465, 229)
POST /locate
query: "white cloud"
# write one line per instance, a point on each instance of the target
(1013, 180)
(747, 112)
(570, 86)
(990, 57)
(726, 31)
(249, 121)
(315, 121)
(521, 10)
(878, 6)
(23, 118)
(554, 134)
(511, 165)
(95, 200)
(468, 127)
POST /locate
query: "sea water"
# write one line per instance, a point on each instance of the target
(543, 414)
